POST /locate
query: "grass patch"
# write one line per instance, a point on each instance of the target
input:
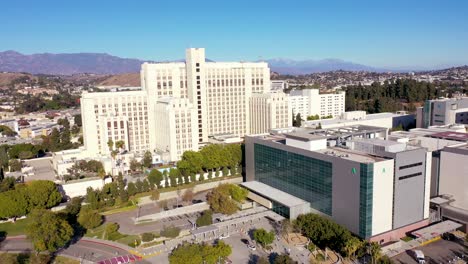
(120, 210)
(65, 260)
(129, 240)
(407, 238)
(150, 244)
(15, 229)
(97, 232)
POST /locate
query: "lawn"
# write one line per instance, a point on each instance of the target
(120, 210)
(65, 260)
(15, 229)
(97, 232)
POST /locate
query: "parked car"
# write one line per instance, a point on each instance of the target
(448, 236)
(252, 247)
(419, 256)
(224, 236)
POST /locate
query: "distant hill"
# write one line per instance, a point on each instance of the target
(67, 64)
(7, 77)
(294, 67)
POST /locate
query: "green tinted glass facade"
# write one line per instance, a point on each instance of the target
(280, 209)
(365, 199)
(304, 177)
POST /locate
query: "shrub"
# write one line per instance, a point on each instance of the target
(205, 219)
(90, 219)
(170, 232)
(147, 237)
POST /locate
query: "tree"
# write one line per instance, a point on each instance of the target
(14, 203)
(262, 260)
(89, 219)
(238, 193)
(155, 195)
(47, 231)
(120, 144)
(188, 253)
(351, 246)
(205, 219)
(135, 165)
(297, 122)
(147, 159)
(188, 195)
(147, 237)
(131, 189)
(8, 258)
(78, 120)
(263, 237)
(73, 208)
(15, 165)
(284, 259)
(374, 251)
(286, 228)
(43, 194)
(220, 201)
(110, 144)
(155, 178)
(191, 162)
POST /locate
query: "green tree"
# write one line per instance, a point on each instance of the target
(78, 120)
(147, 237)
(263, 237)
(110, 144)
(15, 165)
(205, 219)
(191, 162)
(135, 165)
(48, 231)
(351, 246)
(120, 144)
(89, 219)
(220, 201)
(238, 193)
(374, 251)
(284, 259)
(73, 208)
(147, 159)
(43, 194)
(186, 254)
(14, 203)
(131, 189)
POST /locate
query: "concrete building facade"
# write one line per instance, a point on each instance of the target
(309, 102)
(208, 98)
(376, 188)
(444, 111)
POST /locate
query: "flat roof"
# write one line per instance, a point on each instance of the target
(452, 136)
(353, 155)
(273, 194)
(436, 229)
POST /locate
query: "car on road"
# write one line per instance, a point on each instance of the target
(252, 247)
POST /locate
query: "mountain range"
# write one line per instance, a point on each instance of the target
(102, 63)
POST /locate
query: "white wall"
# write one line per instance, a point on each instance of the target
(382, 202)
(311, 145)
(78, 188)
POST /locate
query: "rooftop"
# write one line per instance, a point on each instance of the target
(348, 154)
(457, 136)
(273, 193)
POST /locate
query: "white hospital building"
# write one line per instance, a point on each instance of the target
(309, 102)
(183, 104)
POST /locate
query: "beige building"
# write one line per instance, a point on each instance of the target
(182, 104)
(309, 102)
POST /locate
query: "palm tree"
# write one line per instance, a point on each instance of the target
(374, 251)
(120, 144)
(110, 144)
(351, 246)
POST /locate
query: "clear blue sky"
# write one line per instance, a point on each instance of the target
(377, 33)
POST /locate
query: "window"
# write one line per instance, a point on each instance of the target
(410, 176)
(410, 165)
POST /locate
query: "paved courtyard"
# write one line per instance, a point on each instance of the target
(42, 169)
(441, 251)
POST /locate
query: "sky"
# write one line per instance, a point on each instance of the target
(379, 33)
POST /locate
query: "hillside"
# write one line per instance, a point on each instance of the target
(125, 80)
(7, 77)
(67, 64)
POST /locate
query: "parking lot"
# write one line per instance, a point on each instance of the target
(441, 251)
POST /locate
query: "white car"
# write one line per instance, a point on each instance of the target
(252, 247)
(419, 256)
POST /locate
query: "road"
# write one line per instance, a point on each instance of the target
(84, 249)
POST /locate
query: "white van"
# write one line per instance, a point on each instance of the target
(419, 256)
